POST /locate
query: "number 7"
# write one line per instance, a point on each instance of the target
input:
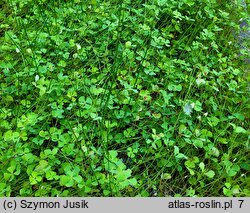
(241, 202)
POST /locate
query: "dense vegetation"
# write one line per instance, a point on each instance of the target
(123, 98)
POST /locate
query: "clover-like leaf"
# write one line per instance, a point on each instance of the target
(210, 174)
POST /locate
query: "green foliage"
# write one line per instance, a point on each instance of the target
(128, 98)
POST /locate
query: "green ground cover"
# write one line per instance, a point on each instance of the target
(123, 98)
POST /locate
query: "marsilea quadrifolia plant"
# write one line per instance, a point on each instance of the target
(123, 98)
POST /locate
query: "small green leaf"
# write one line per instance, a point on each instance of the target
(202, 166)
(66, 181)
(58, 113)
(123, 175)
(198, 143)
(215, 152)
(213, 121)
(166, 176)
(173, 87)
(198, 106)
(42, 166)
(8, 135)
(78, 178)
(191, 171)
(233, 170)
(210, 174)
(113, 154)
(239, 129)
(62, 63)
